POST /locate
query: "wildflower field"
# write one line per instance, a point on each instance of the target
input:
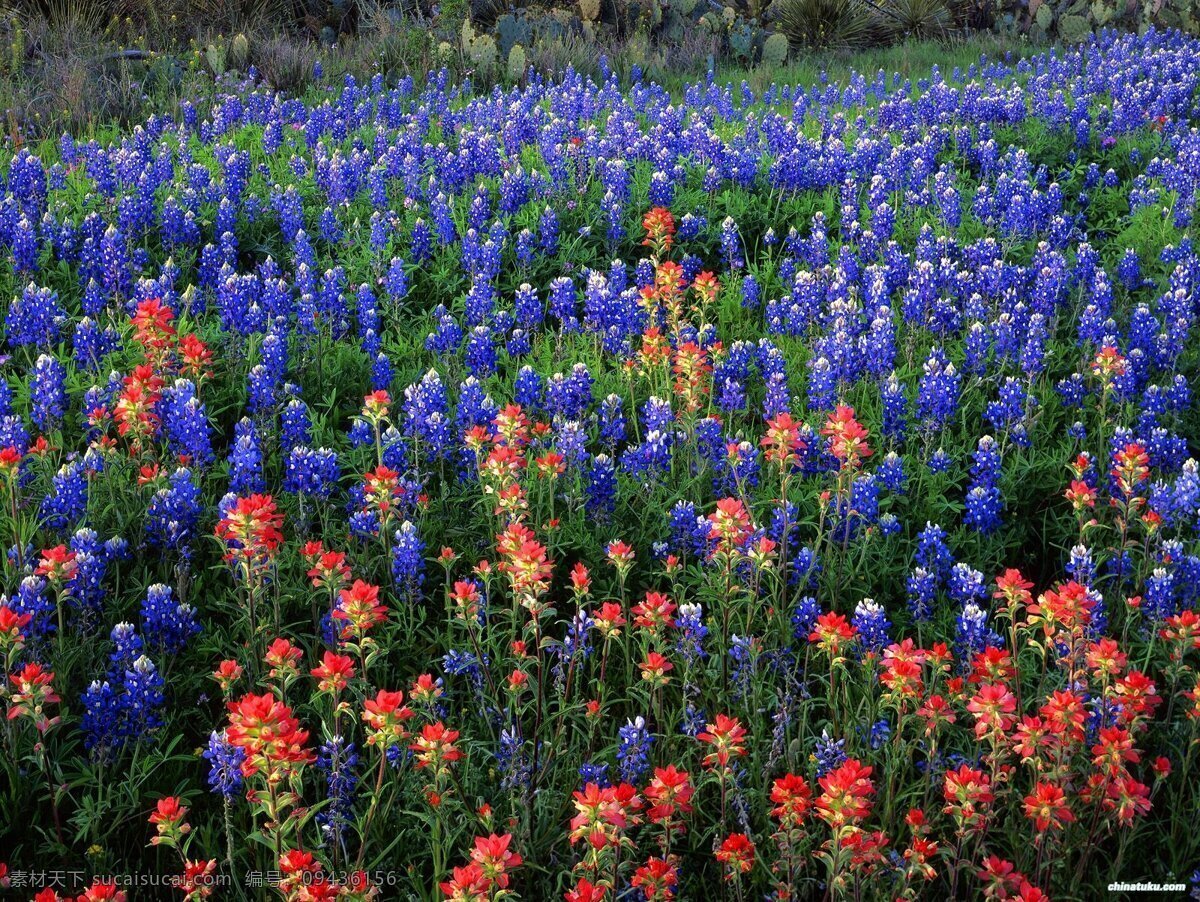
(586, 491)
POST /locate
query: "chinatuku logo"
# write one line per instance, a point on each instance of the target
(1147, 887)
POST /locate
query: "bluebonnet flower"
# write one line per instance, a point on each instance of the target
(938, 391)
(463, 663)
(527, 389)
(602, 486)
(33, 598)
(185, 423)
(225, 765)
(173, 513)
(692, 633)
(100, 718)
(966, 584)
(408, 561)
(337, 760)
(48, 392)
(313, 473)
(67, 502)
(594, 772)
(829, 754)
(515, 768)
(246, 460)
(972, 633)
(166, 623)
(804, 618)
(922, 588)
(872, 623)
(86, 585)
(983, 501)
(35, 318)
(633, 753)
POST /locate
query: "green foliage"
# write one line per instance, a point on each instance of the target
(923, 19)
(1075, 21)
(843, 24)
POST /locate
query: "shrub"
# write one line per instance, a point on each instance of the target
(923, 19)
(826, 23)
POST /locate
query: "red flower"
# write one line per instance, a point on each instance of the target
(737, 854)
(152, 324)
(283, 658)
(32, 694)
(660, 229)
(603, 814)
(250, 529)
(727, 737)
(847, 437)
(1128, 798)
(360, 609)
(1047, 807)
(730, 525)
(793, 800)
(265, 727)
(196, 356)
(968, 795)
(832, 632)
(57, 565)
(585, 891)
(846, 794)
(1064, 714)
(467, 884)
(654, 614)
(782, 442)
(656, 879)
(168, 812)
(334, 672)
(609, 620)
(1183, 631)
(993, 706)
(227, 673)
(1001, 879)
(670, 792)
(655, 669)
(329, 569)
(1131, 468)
(619, 555)
(385, 716)
(434, 747)
(11, 626)
(103, 889)
(494, 858)
(10, 459)
(196, 880)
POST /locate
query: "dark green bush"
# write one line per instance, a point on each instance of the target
(842, 24)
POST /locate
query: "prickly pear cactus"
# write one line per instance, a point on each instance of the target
(1074, 28)
(1102, 13)
(483, 52)
(239, 52)
(516, 62)
(589, 10)
(215, 56)
(775, 50)
(1044, 17)
(741, 42)
(510, 31)
(480, 49)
